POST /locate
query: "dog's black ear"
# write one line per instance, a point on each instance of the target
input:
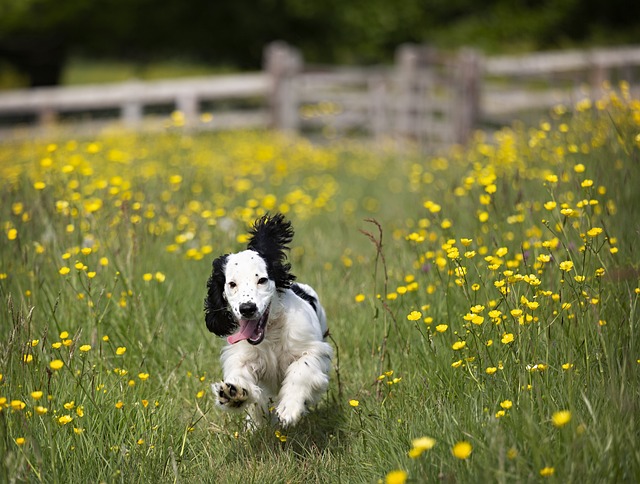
(216, 311)
(270, 237)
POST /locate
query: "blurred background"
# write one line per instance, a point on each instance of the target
(52, 42)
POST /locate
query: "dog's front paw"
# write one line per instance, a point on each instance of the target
(290, 412)
(229, 396)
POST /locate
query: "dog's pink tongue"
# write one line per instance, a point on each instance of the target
(247, 329)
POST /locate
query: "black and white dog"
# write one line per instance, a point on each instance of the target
(276, 329)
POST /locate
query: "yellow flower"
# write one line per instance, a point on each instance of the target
(502, 251)
(491, 370)
(458, 345)
(41, 410)
(547, 471)
(20, 441)
(441, 328)
(359, 298)
(37, 395)
(561, 418)
(65, 419)
(414, 316)
(506, 404)
(418, 446)
(544, 258)
(594, 232)
(507, 338)
(462, 450)
(85, 348)
(77, 430)
(396, 477)
(64, 270)
(354, 403)
(121, 350)
(147, 277)
(456, 364)
(17, 405)
(56, 364)
(119, 404)
(143, 376)
(566, 265)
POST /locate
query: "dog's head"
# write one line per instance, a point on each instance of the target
(242, 285)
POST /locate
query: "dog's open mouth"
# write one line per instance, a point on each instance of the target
(252, 330)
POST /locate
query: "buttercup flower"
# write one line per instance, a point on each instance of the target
(65, 419)
(547, 471)
(414, 316)
(396, 477)
(420, 445)
(561, 418)
(566, 265)
(462, 450)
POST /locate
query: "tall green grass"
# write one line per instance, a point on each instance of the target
(482, 304)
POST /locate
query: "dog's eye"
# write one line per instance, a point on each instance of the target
(232, 285)
(263, 280)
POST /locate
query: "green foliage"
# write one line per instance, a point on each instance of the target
(37, 32)
(483, 304)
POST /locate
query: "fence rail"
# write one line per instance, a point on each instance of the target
(427, 96)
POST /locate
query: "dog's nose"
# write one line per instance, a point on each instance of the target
(248, 309)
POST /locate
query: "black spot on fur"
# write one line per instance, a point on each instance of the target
(217, 314)
(306, 296)
(270, 237)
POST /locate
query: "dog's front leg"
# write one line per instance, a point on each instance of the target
(306, 380)
(239, 391)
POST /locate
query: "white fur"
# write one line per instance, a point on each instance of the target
(289, 369)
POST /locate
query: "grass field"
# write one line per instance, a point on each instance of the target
(483, 305)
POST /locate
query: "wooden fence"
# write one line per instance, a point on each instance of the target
(427, 96)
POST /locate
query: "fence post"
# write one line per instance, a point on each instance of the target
(466, 109)
(406, 61)
(47, 117)
(598, 74)
(187, 104)
(282, 64)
